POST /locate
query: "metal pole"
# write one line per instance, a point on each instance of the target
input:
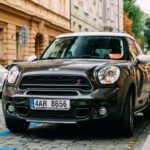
(118, 16)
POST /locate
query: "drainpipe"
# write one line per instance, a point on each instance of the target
(70, 14)
(118, 16)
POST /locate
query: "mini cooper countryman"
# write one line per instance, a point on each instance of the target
(80, 78)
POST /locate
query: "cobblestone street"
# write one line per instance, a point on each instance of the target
(66, 137)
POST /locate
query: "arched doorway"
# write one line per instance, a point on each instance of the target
(39, 44)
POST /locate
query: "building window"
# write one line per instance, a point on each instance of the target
(19, 47)
(116, 21)
(95, 8)
(76, 3)
(104, 11)
(18, 54)
(55, 5)
(112, 12)
(86, 30)
(108, 13)
(80, 28)
(86, 6)
(74, 25)
(108, 6)
(39, 44)
(100, 8)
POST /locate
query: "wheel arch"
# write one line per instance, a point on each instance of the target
(129, 85)
(132, 88)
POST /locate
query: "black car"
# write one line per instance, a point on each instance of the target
(80, 78)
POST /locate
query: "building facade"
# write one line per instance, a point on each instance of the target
(97, 15)
(28, 26)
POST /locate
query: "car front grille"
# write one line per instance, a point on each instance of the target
(55, 82)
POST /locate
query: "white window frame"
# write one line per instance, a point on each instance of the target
(76, 3)
(100, 8)
(86, 6)
(95, 9)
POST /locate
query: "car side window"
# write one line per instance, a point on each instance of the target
(132, 49)
(138, 48)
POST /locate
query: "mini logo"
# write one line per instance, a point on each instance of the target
(78, 82)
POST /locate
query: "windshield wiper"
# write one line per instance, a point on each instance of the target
(48, 58)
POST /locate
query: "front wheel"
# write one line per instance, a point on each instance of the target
(127, 119)
(16, 125)
(146, 111)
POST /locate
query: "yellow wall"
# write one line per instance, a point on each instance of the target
(46, 21)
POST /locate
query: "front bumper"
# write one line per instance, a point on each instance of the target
(84, 107)
(1, 87)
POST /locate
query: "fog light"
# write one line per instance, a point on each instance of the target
(11, 108)
(102, 111)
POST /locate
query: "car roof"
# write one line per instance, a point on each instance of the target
(95, 34)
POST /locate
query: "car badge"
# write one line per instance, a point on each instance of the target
(78, 82)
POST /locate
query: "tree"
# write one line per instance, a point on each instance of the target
(127, 23)
(137, 17)
(147, 33)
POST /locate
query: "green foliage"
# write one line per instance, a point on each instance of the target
(147, 33)
(136, 15)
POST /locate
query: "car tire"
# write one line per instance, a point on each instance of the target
(0, 95)
(146, 111)
(16, 125)
(127, 119)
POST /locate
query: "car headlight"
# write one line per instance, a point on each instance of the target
(109, 75)
(13, 74)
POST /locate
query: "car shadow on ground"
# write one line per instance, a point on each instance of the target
(105, 131)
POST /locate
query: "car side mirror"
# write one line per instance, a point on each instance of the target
(142, 59)
(32, 58)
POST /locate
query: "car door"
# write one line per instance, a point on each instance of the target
(146, 74)
(142, 75)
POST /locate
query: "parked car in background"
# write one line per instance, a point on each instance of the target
(80, 78)
(3, 75)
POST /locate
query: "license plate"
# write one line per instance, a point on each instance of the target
(43, 104)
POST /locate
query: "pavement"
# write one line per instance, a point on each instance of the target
(70, 137)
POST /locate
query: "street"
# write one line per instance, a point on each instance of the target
(67, 137)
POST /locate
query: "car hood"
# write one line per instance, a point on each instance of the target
(65, 66)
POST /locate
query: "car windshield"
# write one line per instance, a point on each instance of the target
(98, 47)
